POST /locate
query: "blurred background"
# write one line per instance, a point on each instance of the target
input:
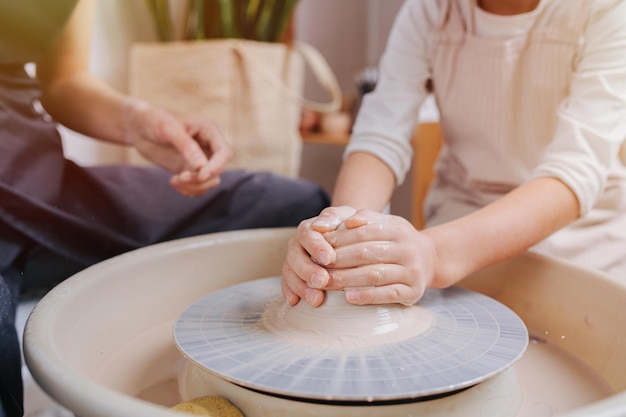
(350, 34)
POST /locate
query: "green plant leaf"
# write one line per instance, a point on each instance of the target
(212, 19)
(229, 27)
(195, 14)
(279, 19)
(162, 19)
(239, 18)
(262, 20)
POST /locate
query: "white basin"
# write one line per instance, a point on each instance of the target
(101, 343)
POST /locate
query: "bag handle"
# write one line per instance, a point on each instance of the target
(320, 69)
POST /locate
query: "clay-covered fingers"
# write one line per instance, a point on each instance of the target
(304, 275)
(302, 278)
(332, 218)
(380, 272)
(370, 226)
(381, 259)
(388, 294)
(378, 284)
(310, 233)
(374, 275)
(368, 252)
(316, 248)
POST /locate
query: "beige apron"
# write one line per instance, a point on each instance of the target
(498, 102)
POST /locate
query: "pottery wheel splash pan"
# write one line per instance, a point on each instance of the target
(469, 338)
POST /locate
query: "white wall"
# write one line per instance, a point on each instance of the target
(351, 34)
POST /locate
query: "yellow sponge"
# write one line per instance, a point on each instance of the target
(212, 406)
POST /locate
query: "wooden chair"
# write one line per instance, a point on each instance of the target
(427, 142)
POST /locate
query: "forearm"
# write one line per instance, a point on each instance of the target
(364, 182)
(70, 94)
(502, 229)
(87, 105)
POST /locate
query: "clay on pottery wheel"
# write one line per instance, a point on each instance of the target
(336, 323)
(451, 340)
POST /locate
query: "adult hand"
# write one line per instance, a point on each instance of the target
(304, 273)
(380, 258)
(192, 148)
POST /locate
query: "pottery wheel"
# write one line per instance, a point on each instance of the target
(469, 338)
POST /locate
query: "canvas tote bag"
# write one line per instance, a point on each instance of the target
(252, 90)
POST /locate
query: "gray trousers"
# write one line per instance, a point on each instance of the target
(37, 255)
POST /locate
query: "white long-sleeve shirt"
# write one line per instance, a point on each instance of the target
(567, 123)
